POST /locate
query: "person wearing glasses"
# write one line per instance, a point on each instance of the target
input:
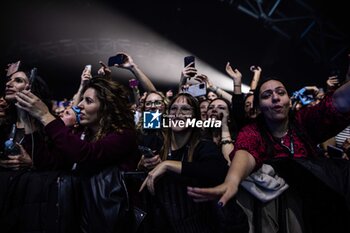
(151, 138)
(186, 159)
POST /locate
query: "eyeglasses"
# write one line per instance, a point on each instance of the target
(186, 109)
(157, 103)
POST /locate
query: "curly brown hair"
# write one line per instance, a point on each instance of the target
(114, 113)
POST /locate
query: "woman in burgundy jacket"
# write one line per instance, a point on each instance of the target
(107, 138)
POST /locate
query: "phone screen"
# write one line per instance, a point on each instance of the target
(116, 60)
(147, 152)
(188, 60)
(33, 75)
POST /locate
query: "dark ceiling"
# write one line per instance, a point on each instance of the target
(216, 31)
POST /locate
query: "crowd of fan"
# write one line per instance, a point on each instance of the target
(271, 148)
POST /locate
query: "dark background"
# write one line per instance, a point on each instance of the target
(215, 31)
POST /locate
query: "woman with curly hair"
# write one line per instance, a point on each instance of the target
(108, 137)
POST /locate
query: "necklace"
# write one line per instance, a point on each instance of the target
(184, 152)
(291, 148)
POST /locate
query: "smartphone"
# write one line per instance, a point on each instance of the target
(196, 90)
(306, 99)
(33, 74)
(188, 60)
(11, 148)
(88, 68)
(334, 151)
(117, 59)
(146, 151)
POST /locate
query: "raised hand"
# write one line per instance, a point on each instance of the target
(188, 72)
(128, 62)
(255, 69)
(234, 73)
(86, 74)
(204, 79)
(29, 102)
(169, 94)
(104, 70)
(332, 82)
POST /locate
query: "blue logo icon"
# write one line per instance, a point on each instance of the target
(151, 120)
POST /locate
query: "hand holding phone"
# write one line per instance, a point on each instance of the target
(88, 69)
(146, 151)
(196, 90)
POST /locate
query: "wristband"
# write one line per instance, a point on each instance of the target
(223, 142)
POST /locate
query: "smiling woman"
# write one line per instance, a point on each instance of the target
(186, 158)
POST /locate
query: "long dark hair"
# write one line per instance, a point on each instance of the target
(231, 122)
(292, 125)
(195, 135)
